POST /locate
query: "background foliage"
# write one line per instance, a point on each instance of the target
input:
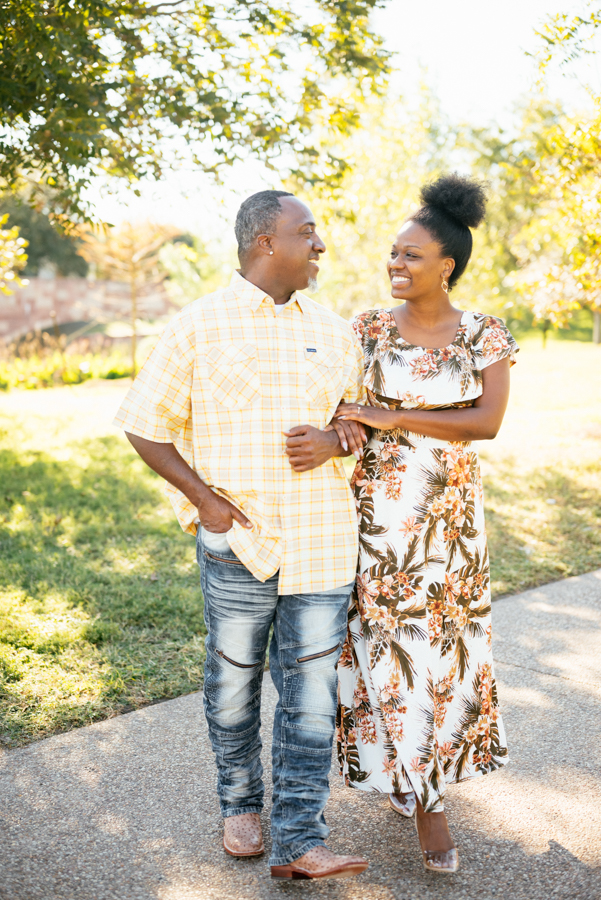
(47, 243)
(12, 256)
(101, 86)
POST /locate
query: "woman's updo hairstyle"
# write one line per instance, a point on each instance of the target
(452, 205)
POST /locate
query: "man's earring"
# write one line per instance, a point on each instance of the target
(445, 286)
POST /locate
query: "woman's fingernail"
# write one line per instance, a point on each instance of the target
(357, 454)
(344, 445)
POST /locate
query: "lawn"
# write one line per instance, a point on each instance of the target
(100, 610)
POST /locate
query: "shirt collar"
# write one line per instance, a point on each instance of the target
(254, 296)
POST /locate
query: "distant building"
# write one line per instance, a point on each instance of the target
(48, 300)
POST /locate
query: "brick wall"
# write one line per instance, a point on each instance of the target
(74, 300)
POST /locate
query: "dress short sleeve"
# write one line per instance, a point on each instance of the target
(354, 391)
(492, 341)
(360, 326)
(359, 323)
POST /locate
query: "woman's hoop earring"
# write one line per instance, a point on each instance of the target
(445, 286)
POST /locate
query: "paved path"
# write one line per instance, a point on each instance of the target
(126, 810)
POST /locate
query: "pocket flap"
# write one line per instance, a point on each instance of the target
(229, 354)
(322, 356)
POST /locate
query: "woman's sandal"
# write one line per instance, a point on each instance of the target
(404, 804)
(445, 863)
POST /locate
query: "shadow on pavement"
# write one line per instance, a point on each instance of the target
(126, 809)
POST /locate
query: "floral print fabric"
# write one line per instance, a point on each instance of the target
(418, 704)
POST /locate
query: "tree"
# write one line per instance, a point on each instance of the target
(562, 265)
(121, 87)
(130, 254)
(47, 243)
(546, 196)
(505, 246)
(398, 148)
(12, 257)
(194, 269)
(518, 249)
(389, 156)
(560, 249)
(568, 36)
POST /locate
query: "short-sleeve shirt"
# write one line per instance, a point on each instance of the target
(227, 378)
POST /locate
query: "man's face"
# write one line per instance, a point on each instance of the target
(296, 245)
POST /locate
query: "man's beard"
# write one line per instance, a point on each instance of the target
(312, 286)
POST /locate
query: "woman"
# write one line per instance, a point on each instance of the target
(417, 700)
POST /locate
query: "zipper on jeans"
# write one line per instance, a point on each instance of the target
(239, 665)
(302, 659)
(229, 562)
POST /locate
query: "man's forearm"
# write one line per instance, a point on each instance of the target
(336, 447)
(167, 462)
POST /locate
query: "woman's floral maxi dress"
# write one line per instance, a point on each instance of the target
(417, 698)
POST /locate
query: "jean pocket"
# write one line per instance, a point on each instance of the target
(223, 559)
(238, 665)
(313, 656)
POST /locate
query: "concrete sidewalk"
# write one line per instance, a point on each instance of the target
(126, 809)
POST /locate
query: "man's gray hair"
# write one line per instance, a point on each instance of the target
(257, 215)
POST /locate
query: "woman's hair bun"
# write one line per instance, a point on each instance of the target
(462, 199)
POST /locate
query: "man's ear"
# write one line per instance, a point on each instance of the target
(264, 244)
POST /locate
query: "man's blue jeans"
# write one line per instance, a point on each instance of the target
(308, 631)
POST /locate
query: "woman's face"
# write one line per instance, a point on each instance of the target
(415, 266)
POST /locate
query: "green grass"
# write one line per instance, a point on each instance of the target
(542, 525)
(100, 608)
(542, 475)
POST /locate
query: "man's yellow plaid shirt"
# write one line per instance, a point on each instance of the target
(227, 378)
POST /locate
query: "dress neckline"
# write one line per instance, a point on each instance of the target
(458, 334)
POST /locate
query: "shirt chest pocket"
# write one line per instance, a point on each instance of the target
(234, 375)
(323, 375)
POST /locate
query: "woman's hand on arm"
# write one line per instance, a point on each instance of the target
(480, 422)
(216, 514)
(352, 436)
(372, 416)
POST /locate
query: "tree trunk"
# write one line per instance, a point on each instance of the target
(134, 316)
(597, 326)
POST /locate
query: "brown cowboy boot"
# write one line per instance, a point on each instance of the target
(320, 862)
(242, 835)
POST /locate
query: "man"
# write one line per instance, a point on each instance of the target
(215, 411)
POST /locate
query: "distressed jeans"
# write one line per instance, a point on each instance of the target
(308, 631)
